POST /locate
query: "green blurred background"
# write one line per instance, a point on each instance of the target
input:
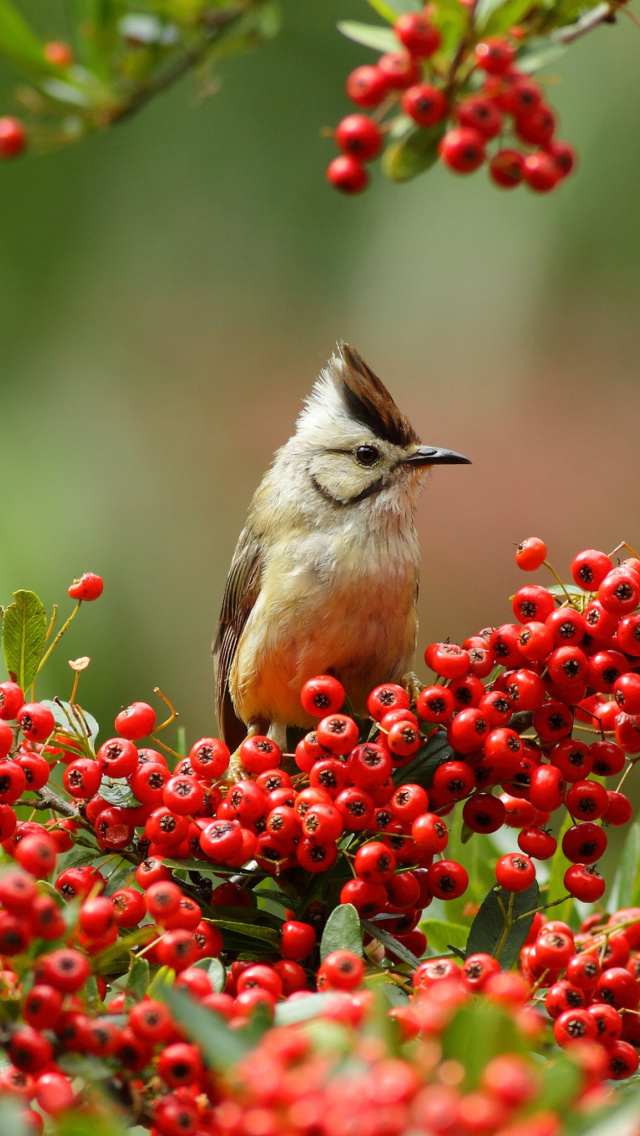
(169, 290)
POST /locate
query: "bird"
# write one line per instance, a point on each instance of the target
(325, 574)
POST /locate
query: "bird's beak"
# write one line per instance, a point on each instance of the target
(434, 455)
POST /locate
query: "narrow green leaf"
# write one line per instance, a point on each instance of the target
(216, 973)
(562, 1081)
(391, 944)
(478, 1033)
(436, 750)
(391, 9)
(402, 161)
(505, 16)
(556, 889)
(627, 878)
(25, 628)
(532, 59)
(369, 35)
(484, 10)
(138, 980)
(288, 1013)
(19, 43)
(249, 930)
(488, 934)
(221, 1045)
(441, 936)
(342, 932)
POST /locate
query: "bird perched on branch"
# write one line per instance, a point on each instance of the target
(324, 577)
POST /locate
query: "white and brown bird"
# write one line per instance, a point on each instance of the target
(324, 577)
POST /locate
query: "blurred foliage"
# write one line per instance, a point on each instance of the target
(121, 55)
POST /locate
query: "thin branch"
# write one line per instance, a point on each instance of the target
(601, 14)
(215, 23)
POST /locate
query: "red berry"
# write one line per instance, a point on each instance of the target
(11, 699)
(298, 940)
(13, 137)
(88, 587)
(343, 970)
(462, 149)
(481, 114)
(532, 552)
(362, 138)
(515, 872)
(399, 69)
(259, 754)
(117, 757)
(36, 721)
(136, 721)
(323, 694)
(584, 882)
(58, 53)
(495, 55)
(337, 733)
(537, 842)
(367, 86)
(540, 171)
(537, 127)
(417, 34)
(424, 103)
(447, 879)
(346, 174)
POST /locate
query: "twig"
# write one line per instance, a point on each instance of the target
(216, 22)
(603, 13)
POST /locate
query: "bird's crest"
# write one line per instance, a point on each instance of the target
(361, 397)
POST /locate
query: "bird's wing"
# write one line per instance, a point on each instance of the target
(241, 592)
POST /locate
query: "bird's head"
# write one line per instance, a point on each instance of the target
(355, 442)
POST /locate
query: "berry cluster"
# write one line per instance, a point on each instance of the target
(458, 107)
(246, 884)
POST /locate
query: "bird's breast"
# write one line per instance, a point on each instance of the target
(342, 601)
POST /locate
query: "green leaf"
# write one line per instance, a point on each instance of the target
(534, 58)
(369, 35)
(562, 1082)
(221, 1046)
(391, 9)
(496, 16)
(24, 624)
(249, 930)
(119, 793)
(441, 935)
(627, 878)
(138, 980)
(391, 944)
(11, 1123)
(216, 973)
(478, 1033)
(70, 719)
(403, 160)
(19, 43)
(288, 1013)
(506, 16)
(342, 932)
(433, 753)
(488, 933)
(556, 889)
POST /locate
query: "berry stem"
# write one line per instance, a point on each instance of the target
(59, 635)
(174, 712)
(560, 582)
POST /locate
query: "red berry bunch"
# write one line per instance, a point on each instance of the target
(467, 103)
(276, 886)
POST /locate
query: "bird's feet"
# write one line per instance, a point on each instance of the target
(412, 685)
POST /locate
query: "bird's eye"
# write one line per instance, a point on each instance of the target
(367, 455)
